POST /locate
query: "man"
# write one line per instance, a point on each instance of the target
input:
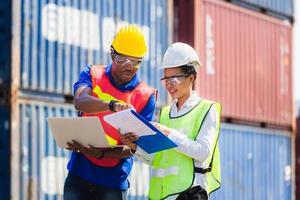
(101, 173)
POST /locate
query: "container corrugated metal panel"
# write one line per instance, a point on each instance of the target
(247, 62)
(59, 39)
(277, 7)
(139, 181)
(42, 166)
(5, 47)
(4, 152)
(256, 164)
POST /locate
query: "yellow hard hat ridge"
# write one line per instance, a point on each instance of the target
(130, 41)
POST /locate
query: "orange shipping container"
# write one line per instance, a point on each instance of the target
(246, 57)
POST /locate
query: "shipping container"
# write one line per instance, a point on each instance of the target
(4, 151)
(5, 49)
(39, 166)
(277, 8)
(256, 163)
(54, 40)
(139, 181)
(246, 60)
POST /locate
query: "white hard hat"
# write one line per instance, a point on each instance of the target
(179, 54)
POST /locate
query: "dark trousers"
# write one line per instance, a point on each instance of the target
(194, 193)
(77, 188)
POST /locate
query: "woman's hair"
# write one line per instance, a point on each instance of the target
(188, 69)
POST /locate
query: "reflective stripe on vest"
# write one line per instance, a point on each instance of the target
(160, 172)
(104, 90)
(173, 172)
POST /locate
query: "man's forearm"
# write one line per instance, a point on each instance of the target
(119, 152)
(90, 104)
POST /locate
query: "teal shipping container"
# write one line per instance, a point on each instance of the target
(54, 40)
(283, 9)
(256, 163)
(39, 166)
(47, 44)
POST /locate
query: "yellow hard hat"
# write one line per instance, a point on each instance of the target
(130, 41)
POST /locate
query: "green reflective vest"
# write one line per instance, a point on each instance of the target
(172, 171)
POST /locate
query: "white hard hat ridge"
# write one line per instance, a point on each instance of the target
(179, 54)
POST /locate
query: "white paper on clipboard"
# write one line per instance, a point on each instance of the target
(127, 122)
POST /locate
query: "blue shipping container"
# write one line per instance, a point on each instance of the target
(41, 166)
(5, 47)
(256, 163)
(57, 39)
(4, 152)
(278, 8)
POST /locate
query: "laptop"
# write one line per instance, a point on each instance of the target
(85, 130)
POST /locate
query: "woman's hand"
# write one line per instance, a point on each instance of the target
(128, 139)
(90, 150)
(164, 129)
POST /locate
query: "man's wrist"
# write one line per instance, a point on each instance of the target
(101, 156)
(111, 105)
(132, 147)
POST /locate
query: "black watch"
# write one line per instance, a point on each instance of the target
(111, 105)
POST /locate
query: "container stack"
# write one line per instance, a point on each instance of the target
(245, 47)
(5, 47)
(51, 43)
(246, 53)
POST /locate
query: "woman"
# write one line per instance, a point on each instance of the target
(192, 169)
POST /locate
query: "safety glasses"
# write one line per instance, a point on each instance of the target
(173, 80)
(125, 60)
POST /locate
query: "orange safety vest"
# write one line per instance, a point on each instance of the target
(104, 90)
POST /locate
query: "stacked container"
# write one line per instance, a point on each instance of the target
(5, 48)
(247, 67)
(51, 42)
(246, 58)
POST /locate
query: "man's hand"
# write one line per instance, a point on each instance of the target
(119, 107)
(99, 153)
(90, 150)
(128, 139)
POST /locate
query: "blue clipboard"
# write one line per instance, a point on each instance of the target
(153, 143)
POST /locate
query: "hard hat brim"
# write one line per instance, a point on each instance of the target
(195, 64)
